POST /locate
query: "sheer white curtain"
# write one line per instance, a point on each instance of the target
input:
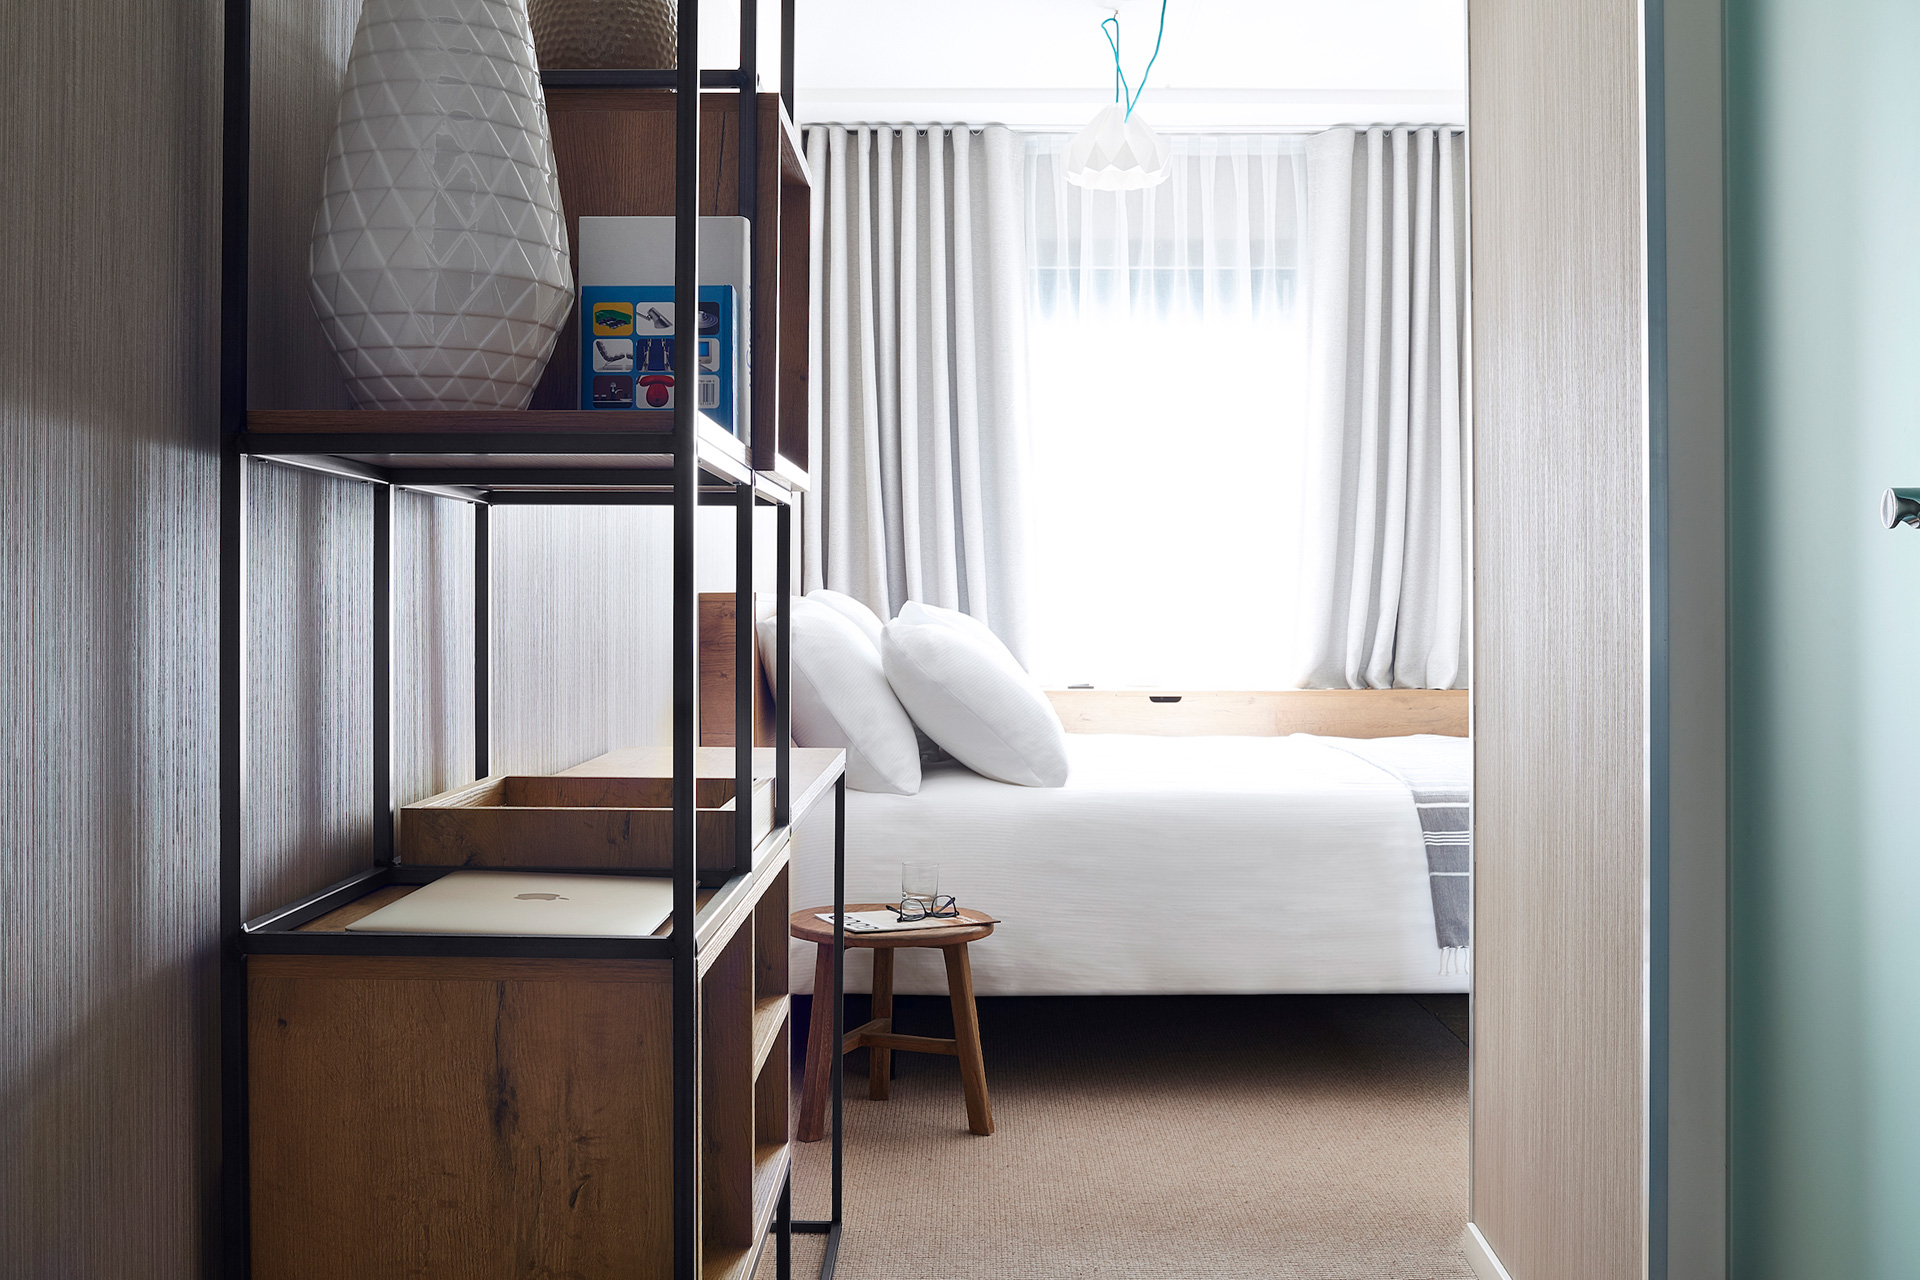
(917, 386)
(1384, 546)
(1168, 393)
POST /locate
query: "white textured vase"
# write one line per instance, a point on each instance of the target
(439, 262)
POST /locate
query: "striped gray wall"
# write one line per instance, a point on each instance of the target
(108, 527)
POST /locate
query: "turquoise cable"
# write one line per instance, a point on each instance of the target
(1150, 61)
(1119, 76)
(1111, 29)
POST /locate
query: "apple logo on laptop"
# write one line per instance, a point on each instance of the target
(540, 897)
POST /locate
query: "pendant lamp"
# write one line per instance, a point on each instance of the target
(1117, 151)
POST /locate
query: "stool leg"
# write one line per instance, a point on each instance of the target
(820, 1050)
(966, 1038)
(880, 1061)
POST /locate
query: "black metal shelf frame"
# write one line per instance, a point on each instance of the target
(683, 470)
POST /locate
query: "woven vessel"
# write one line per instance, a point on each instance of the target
(439, 257)
(605, 33)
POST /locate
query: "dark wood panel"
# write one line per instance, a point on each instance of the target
(409, 1119)
(795, 335)
(717, 647)
(726, 1098)
(770, 967)
(773, 1090)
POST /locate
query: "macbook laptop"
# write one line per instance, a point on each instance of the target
(529, 902)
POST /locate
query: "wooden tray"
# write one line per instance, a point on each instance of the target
(577, 822)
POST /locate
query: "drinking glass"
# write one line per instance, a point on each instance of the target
(920, 881)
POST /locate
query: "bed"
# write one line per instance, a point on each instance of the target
(1227, 858)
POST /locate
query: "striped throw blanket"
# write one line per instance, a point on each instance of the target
(1438, 771)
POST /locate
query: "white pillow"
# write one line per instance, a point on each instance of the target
(841, 698)
(914, 611)
(852, 610)
(931, 752)
(972, 697)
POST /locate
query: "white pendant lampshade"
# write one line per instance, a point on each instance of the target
(1118, 153)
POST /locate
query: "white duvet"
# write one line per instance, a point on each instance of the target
(1165, 865)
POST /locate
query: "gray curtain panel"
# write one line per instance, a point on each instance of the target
(1384, 522)
(918, 377)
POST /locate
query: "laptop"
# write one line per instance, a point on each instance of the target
(528, 903)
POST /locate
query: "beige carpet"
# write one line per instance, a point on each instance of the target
(1197, 1138)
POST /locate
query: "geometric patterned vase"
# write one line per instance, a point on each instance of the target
(439, 264)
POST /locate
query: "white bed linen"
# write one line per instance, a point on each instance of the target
(1165, 865)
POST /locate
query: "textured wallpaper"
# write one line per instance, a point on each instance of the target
(108, 525)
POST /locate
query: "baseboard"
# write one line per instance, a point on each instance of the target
(1480, 1255)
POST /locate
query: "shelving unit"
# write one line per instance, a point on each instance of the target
(408, 1103)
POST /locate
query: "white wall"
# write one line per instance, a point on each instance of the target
(1224, 64)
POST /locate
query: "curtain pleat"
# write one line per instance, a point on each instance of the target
(919, 372)
(1384, 536)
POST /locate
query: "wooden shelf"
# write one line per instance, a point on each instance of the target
(769, 1020)
(744, 1107)
(529, 449)
(770, 1166)
(316, 925)
(370, 1057)
(297, 422)
(613, 151)
(726, 1098)
(790, 474)
(769, 1163)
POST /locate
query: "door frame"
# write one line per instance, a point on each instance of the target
(1678, 87)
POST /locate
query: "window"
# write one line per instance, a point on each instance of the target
(1166, 362)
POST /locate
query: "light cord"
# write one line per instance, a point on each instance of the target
(1111, 30)
(1158, 36)
(1121, 92)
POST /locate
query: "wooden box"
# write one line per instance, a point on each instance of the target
(578, 823)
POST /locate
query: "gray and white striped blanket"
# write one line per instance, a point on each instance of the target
(1439, 774)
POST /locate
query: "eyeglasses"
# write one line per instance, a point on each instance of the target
(920, 909)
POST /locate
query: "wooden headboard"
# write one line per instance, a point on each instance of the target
(1340, 713)
(716, 674)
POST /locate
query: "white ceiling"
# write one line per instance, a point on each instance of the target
(1225, 64)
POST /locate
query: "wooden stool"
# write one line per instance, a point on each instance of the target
(877, 1036)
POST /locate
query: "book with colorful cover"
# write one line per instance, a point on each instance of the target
(627, 356)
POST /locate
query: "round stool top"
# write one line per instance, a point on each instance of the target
(809, 927)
